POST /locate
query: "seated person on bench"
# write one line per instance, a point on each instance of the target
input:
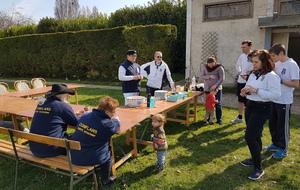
(94, 131)
(51, 118)
(10, 125)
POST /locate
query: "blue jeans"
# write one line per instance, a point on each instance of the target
(161, 157)
(104, 170)
(218, 105)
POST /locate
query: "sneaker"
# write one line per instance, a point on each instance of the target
(247, 163)
(109, 182)
(26, 130)
(220, 122)
(256, 174)
(272, 147)
(159, 168)
(204, 122)
(211, 123)
(280, 154)
(237, 120)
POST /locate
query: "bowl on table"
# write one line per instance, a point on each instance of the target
(135, 101)
(161, 94)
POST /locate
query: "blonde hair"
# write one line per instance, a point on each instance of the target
(159, 117)
(107, 103)
(157, 52)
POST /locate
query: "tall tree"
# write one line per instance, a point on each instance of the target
(13, 18)
(88, 11)
(83, 11)
(66, 9)
(95, 12)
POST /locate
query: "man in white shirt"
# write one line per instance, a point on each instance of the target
(158, 73)
(129, 74)
(288, 71)
(243, 67)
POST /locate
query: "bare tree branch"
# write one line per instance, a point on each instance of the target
(13, 18)
(66, 9)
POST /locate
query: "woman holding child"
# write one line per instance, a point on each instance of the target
(262, 87)
(213, 75)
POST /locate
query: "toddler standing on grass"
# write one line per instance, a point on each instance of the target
(159, 140)
(210, 107)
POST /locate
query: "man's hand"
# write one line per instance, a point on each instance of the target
(244, 76)
(117, 117)
(137, 77)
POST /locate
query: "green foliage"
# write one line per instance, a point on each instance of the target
(157, 12)
(50, 25)
(18, 30)
(82, 23)
(92, 54)
(47, 25)
(148, 39)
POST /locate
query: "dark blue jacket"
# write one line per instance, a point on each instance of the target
(93, 131)
(131, 69)
(51, 119)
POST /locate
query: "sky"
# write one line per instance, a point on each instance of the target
(38, 9)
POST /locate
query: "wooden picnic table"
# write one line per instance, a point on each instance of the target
(41, 91)
(129, 117)
(163, 107)
(14, 106)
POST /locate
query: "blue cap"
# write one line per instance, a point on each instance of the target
(131, 52)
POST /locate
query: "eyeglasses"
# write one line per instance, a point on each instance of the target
(159, 57)
(112, 112)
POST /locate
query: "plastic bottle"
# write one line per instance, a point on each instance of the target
(194, 81)
(148, 99)
(152, 102)
(174, 88)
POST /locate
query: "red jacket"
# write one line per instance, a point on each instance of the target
(210, 102)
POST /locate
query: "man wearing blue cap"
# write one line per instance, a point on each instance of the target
(129, 74)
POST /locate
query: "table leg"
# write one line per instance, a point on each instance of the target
(16, 127)
(76, 96)
(135, 150)
(15, 121)
(113, 162)
(195, 107)
(188, 114)
(128, 137)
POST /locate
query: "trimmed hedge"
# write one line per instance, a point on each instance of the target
(88, 55)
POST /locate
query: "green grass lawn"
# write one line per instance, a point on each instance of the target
(202, 157)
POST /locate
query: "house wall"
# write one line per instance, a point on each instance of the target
(281, 38)
(223, 38)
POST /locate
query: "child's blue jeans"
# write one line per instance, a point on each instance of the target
(161, 157)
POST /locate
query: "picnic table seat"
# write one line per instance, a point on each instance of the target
(22, 153)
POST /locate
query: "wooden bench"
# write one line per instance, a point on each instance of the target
(60, 164)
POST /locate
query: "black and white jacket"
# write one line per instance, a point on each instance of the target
(157, 75)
